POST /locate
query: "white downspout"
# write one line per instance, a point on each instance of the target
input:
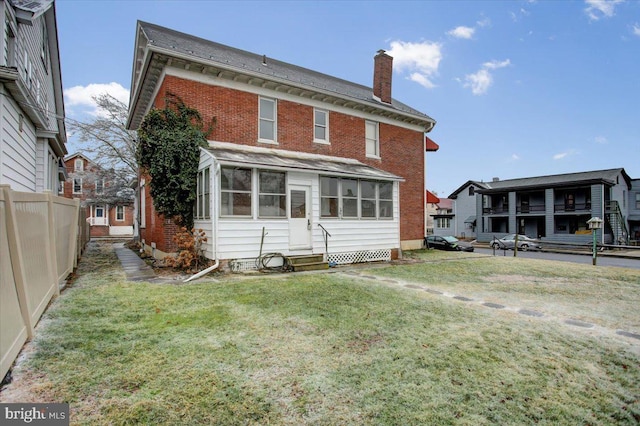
(214, 215)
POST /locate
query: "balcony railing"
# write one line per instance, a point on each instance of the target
(98, 221)
(572, 207)
(495, 210)
(531, 208)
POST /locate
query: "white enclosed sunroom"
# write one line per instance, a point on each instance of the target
(255, 201)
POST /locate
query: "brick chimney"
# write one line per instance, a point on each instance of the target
(382, 69)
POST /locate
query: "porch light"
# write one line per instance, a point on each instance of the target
(594, 223)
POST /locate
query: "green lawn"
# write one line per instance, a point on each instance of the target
(337, 348)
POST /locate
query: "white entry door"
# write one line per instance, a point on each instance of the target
(299, 217)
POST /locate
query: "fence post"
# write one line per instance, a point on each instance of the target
(74, 241)
(17, 263)
(53, 246)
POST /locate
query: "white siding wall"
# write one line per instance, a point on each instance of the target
(26, 162)
(240, 238)
(18, 157)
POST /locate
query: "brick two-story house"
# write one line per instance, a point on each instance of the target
(109, 206)
(299, 162)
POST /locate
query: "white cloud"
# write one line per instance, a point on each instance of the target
(601, 8)
(636, 29)
(81, 97)
(494, 65)
(486, 22)
(420, 59)
(515, 157)
(462, 32)
(601, 140)
(480, 81)
(560, 156)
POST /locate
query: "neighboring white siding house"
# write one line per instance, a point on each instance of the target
(32, 137)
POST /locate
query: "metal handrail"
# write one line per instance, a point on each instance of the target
(325, 236)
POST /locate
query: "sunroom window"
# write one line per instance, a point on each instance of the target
(235, 192)
(355, 198)
(273, 196)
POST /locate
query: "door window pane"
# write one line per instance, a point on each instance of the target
(298, 204)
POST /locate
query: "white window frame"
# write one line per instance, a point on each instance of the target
(78, 165)
(73, 189)
(272, 120)
(120, 213)
(233, 191)
(324, 126)
(100, 190)
(280, 195)
(372, 126)
(340, 198)
(203, 198)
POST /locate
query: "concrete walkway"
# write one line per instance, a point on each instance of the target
(135, 268)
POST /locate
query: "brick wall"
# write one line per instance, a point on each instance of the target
(236, 112)
(157, 229)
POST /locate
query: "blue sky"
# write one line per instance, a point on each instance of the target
(518, 88)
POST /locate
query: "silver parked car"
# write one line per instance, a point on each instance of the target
(508, 242)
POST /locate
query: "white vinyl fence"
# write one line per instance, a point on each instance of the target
(41, 239)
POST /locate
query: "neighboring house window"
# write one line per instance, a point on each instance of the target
(355, 199)
(320, 126)
(637, 200)
(99, 186)
(78, 165)
(267, 124)
(77, 185)
(61, 187)
(44, 53)
(272, 200)
(203, 207)
(99, 211)
(372, 139)
(443, 222)
(235, 192)
(472, 190)
(120, 213)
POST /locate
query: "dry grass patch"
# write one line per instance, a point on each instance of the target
(314, 349)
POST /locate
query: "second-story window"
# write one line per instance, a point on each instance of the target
(99, 186)
(372, 139)
(267, 127)
(77, 185)
(320, 126)
(78, 165)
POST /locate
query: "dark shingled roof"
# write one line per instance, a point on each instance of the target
(596, 176)
(209, 51)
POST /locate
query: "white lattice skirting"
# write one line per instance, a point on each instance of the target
(360, 256)
(248, 265)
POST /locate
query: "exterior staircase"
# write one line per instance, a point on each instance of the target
(312, 262)
(616, 222)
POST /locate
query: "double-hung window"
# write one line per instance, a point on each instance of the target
(272, 200)
(203, 208)
(372, 139)
(329, 196)
(267, 126)
(77, 185)
(99, 186)
(78, 165)
(385, 200)
(235, 196)
(349, 197)
(320, 126)
(120, 213)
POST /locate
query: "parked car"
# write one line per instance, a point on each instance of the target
(508, 242)
(446, 243)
